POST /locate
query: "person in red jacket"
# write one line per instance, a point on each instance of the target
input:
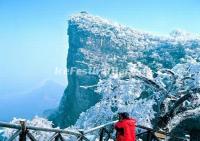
(125, 128)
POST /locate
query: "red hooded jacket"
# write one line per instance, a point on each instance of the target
(126, 130)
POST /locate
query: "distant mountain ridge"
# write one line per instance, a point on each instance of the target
(35, 102)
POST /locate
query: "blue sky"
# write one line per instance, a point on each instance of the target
(33, 33)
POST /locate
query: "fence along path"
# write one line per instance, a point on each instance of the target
(23, 132)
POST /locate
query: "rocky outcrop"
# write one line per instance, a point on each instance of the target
(97, 47)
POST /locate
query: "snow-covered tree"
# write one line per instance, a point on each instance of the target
(36, 121)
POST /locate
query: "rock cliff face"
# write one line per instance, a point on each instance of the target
(98, 47)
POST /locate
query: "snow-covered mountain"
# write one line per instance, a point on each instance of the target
(35, 102)
(113, 68)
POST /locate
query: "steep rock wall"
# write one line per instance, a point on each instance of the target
(97, 47)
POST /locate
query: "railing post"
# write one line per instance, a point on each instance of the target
(149, 136)
(57, 138)
(81, 138)
(101, 134)
(22, 135)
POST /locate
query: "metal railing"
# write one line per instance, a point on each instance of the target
(104, 134)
